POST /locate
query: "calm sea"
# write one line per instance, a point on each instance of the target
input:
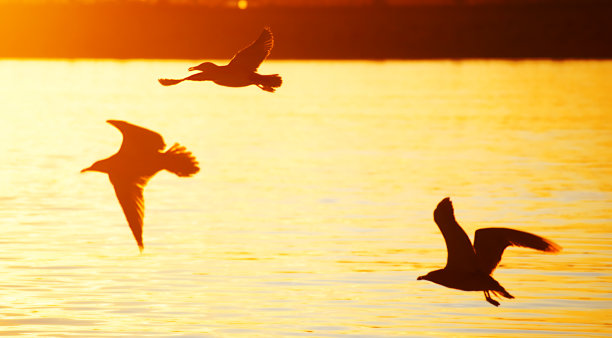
(312, 215)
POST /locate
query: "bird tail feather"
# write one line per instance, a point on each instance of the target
(499, 290)
(502, 292)
(268, 82)
(180, 161)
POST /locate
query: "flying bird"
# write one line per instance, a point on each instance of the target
(140, 157)
(469, 268)
(241, 71)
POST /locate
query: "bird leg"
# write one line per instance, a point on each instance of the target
(266, 88)
(489, 299)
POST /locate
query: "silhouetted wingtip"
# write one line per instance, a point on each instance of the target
(552, 247)
(117, 123)
(444, 207)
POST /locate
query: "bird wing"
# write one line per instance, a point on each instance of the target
(460, 252)
(253, 55)
(138, 139)
(490, 244)
(129, 194)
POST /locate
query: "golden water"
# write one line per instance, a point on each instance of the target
(312, 215)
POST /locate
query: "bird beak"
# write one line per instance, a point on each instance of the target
(420, 277)
(86, 169)
(191, 69)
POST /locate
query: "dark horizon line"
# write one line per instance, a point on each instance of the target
(360, 33)
(251, 6)
(442, 58)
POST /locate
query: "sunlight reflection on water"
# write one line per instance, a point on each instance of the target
(312, 215)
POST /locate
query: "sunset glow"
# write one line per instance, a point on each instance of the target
(291, 156)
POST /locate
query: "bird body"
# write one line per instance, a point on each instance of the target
(140, 157)
(241, 71)
(224, 76)
(468, 281)
(468, 267)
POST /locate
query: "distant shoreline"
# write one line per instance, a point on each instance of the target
(147, 31)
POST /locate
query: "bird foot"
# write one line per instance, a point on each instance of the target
(489, 299)
(266, 88)
(493, 301)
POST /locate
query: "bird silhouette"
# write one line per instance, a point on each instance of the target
(140, 157)
(469, 268)
(241, 71)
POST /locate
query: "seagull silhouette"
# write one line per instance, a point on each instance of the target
(140, 157)
(469, 268)
(241, 71)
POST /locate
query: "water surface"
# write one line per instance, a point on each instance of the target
(312, 215)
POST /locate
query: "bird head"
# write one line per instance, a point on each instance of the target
(204, 67)
(101, 166)
(433, 276)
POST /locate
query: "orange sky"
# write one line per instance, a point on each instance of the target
(255, 3)
(132, 29)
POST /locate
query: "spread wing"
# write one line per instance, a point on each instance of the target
(460, 252)
(252, 56)
(138, 139)
(490, 244)
(129, 194)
